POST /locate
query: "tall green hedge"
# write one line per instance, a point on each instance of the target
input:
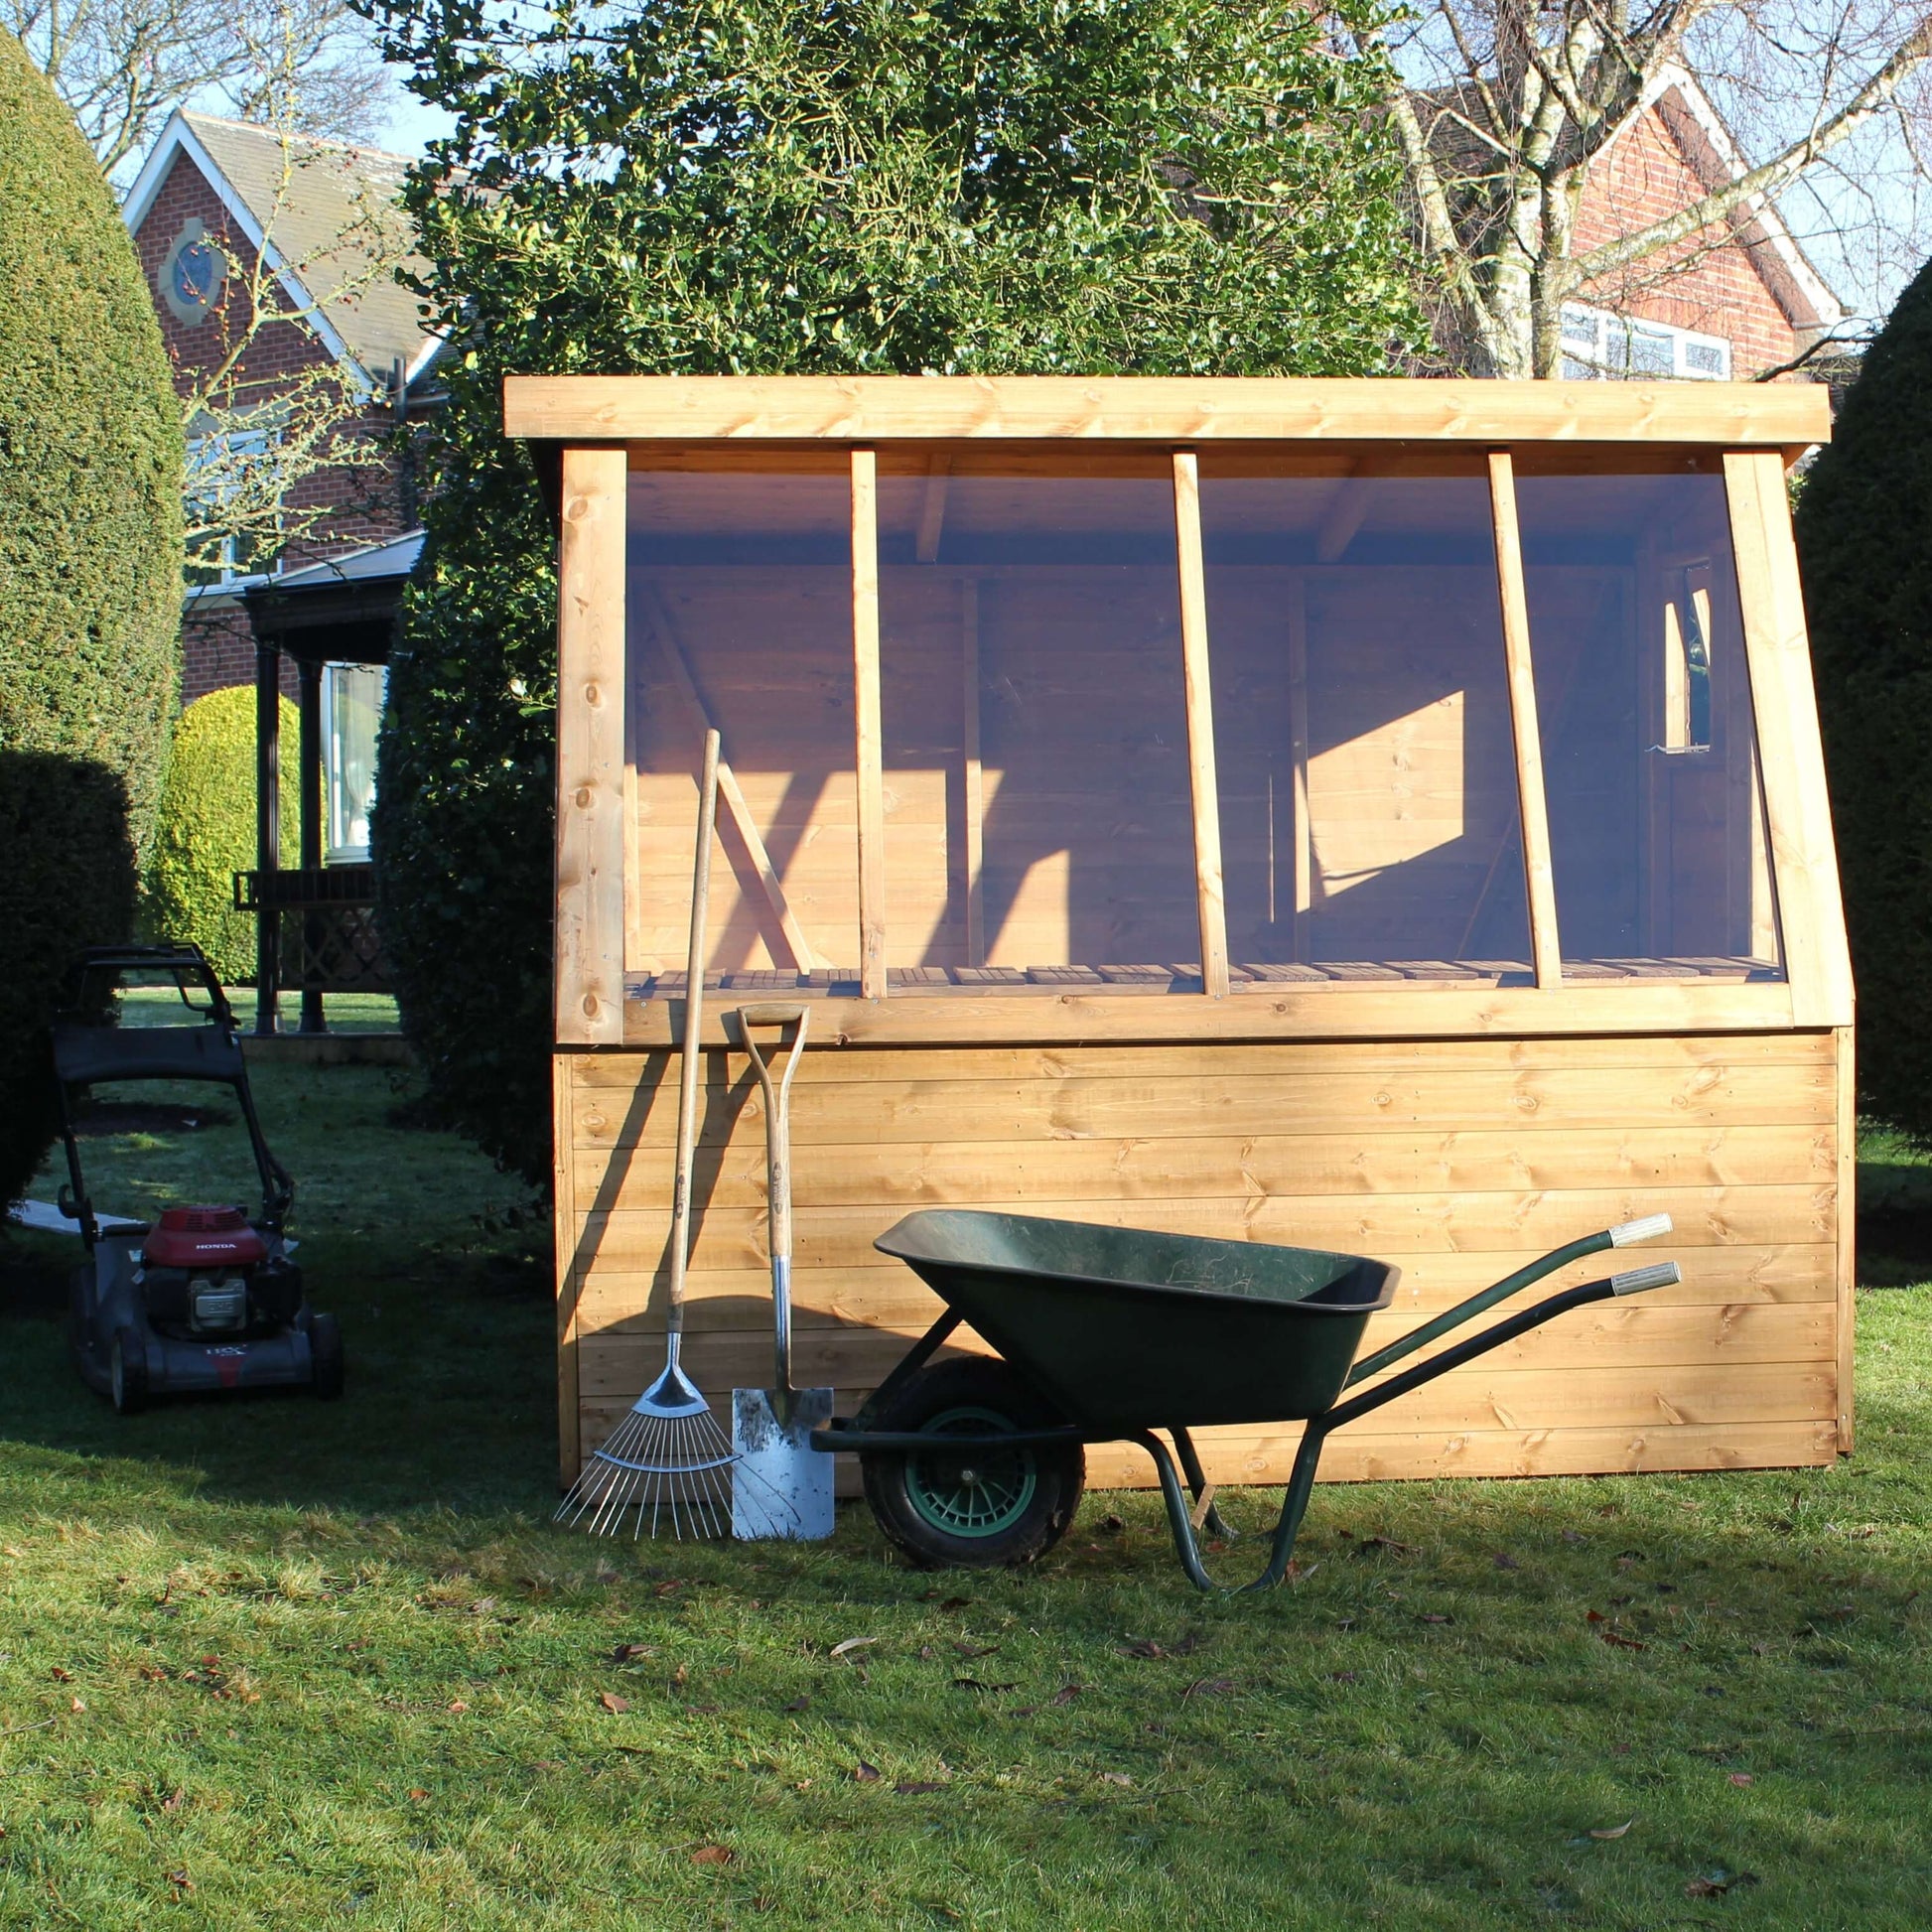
(768, 186)
(205, 831)
(90, 468)
(1865, 538)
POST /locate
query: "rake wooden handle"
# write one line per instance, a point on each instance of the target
(687, 1091)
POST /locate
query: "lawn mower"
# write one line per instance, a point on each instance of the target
(204, 1299)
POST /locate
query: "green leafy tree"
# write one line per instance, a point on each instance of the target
(1864, 536)
(90, 454)
(768, 187)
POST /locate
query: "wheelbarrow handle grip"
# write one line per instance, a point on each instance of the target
(1658, 1274)
(1626, 1234)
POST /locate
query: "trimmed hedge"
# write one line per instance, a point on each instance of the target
(91, 474)
(206, 832)
(1864, 538)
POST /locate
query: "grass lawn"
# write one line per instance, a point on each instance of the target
(278, 1663)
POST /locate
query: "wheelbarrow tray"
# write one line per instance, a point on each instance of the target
(1123, 1328)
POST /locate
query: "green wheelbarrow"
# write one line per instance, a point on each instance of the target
(1106, 1334)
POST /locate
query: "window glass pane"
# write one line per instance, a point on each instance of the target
(1649, 751)
(738, 614)
(1036, 739)
(1652, 351)
(1704, 359)
(1362, 732)
(353, 697)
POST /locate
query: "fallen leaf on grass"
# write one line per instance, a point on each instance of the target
(1208, 1687)
(1611, 1830)
(417, 1792)
(458, 1706)
(1600, 1625)
(1741, 1778)
(1432, 1616)
(63, 1675)
(974, 1683)
(1064, 1694)
(1504, 1560)
(669, 1584)
(864, 1773)
(849, 1644)
(681, 1675)
(1387, 1543)
(800, 1704)
(181, 1882)
(712, 1855)
(1716, 1887)
(1111, 1525)
(612, 1702)
(1575, 1536)
(154, 1673)
(1115, 1777)
(78, 1704)
(1344, 1677)
(970, 1650)
(914, 1787)
(174, 1800)
(1142, 1647)
(629, 1653)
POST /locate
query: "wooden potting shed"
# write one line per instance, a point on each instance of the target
(1386, 816)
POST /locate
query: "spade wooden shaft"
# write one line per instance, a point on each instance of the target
(777, 1170)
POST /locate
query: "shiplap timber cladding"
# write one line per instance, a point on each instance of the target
(1458, 1160)
(1382, 816)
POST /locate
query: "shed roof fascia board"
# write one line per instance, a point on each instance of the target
(178, 138)
(1160, 409)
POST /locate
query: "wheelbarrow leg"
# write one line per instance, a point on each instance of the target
(1212, 1521)
(1294, 1503)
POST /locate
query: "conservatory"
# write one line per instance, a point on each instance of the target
(1385, 816)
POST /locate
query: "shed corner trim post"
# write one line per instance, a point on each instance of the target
(591, 678)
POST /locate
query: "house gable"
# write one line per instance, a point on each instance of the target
(1747, 284)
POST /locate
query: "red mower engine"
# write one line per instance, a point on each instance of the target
(202, 1269)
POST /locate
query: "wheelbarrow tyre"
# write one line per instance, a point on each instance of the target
(953, 1510)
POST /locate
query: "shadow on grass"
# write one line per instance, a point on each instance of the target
(449, 1399)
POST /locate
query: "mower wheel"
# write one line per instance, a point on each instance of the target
(326, 1351)
(127, 1372)
(968, 1503)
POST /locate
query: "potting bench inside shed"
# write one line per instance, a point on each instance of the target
(1386, 816)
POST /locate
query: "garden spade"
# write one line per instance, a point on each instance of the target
(771, 1428)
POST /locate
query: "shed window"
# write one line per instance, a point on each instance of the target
(1649, 744)
(738, 615)
(1038, 814)
(1368, 804)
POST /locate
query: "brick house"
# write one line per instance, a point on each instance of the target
(215, 199)
(1727, 304)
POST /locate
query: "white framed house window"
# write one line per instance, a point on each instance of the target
(227, 467)
(1600, 346)
(351, 713)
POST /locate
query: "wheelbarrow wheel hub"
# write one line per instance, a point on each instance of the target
(983, 1493)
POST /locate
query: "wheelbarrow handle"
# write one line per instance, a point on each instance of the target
(1300, 1480)
(1625, 1234)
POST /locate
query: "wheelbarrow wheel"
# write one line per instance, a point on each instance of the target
(965, 1507)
